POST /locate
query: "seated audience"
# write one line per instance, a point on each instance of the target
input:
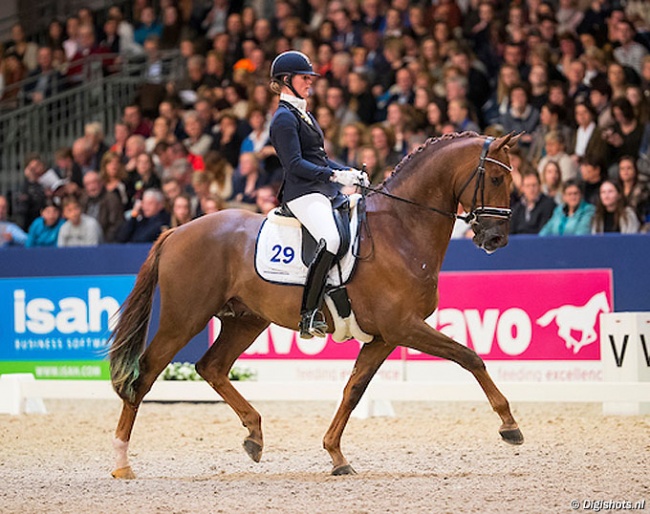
(573, 216)
(79, 229)
(533, 209)
(10, 233)
(147, 221)
(102, 205)
(612, 215)
(44, 231)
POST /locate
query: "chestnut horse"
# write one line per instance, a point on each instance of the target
(206, 268)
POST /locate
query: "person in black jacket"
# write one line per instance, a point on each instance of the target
(534, 208)
(148, 219)
(309, 183)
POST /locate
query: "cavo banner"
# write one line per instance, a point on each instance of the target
(58, 327)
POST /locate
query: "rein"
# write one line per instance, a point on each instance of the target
(476, 212)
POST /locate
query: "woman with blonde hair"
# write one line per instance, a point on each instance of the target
(181, 210)
(353, 136)
(219, 174)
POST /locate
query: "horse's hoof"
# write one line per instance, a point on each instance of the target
(346, 469)
(124, 473)
(512, 436)
(253, 449)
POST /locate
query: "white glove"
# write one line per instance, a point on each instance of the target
(350, 177)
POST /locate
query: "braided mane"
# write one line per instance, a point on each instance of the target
(429, 143)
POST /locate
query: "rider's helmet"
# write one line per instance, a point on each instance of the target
(291, 63)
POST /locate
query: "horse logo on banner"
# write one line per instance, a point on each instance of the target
(583, 319)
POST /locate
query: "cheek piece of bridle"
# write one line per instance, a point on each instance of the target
(479, 187)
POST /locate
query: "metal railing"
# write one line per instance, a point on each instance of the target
(59, 120)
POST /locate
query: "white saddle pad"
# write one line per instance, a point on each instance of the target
(279, 245)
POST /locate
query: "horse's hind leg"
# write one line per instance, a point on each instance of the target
(370, 358)
(169, 339)
(422, 337)
(236, 335)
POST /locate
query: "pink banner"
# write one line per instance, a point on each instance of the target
(505, 315)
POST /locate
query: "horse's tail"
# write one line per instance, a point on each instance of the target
(129, 336)
(547, 318)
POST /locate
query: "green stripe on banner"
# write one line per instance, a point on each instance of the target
(81, 370)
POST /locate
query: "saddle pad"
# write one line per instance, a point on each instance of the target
(278, 247)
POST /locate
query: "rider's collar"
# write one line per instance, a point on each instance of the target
(298, 103)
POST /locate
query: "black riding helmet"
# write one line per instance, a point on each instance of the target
(291, 63)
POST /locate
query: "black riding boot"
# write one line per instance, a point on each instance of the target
(312, 322)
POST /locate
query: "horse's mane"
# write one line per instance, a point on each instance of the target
(431, 143)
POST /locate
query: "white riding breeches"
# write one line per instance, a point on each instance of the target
(314, 211)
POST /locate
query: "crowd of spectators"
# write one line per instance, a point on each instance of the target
(572, 75)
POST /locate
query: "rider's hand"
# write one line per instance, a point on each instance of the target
(345, 177)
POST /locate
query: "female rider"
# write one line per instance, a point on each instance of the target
(309, 186)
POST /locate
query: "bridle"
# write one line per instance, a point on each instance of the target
(475, 213)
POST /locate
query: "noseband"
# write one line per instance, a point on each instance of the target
(476, 212)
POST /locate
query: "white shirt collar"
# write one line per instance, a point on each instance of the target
(298, 103)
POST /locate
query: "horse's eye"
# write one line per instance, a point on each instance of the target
(496, 181)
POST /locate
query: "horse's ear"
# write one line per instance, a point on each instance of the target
(508, 140)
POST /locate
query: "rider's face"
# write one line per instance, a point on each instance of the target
(302, 84)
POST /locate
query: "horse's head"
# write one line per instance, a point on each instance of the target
(486, 193)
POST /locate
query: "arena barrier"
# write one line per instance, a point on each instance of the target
(55, 306)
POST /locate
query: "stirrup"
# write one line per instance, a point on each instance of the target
(313, 324)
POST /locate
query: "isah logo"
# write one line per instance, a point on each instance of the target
(94, 313)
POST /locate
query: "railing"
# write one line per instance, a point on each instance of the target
(57, 121)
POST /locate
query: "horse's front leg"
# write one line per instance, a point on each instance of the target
(420, 336)
(370, 358)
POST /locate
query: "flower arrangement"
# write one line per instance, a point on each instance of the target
(187, 371)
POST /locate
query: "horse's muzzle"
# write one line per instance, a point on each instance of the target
(493, 238)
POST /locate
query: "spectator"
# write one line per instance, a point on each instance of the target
(136, 123)
(266, 199)
(13, 73)
(612, 215)
(161, 132)
(43, 81)
(629, 52)
(31, 197)
(330, 127)
(555, 150)
(625, 136)
(352, 138)
(120, 136)
(71, 44)
(170, 35)
(143, 178)
(171, 188)
(599, 97)
(94, 133)
(436, 117)
(458, 112)
(551, 178)
(148, 26)
(25, 51)
(362, 102)
(10, 233)
(135, 145)
(521, 116)
(181, 210)
(382, 138)
(335, 100)
(370, 163)
(147, 221)
(197, 141)
(80, 68)
(79, 229)
(592, 177)
(572, 217)
(589, 138)
(113, 176)
(82, 154)
(616, 79)
(534, 208)
(247, 181)
(635, 192)
(227, 142)
(44, 231)
(102, 205)
(66, 168)
(550, 120)
(212, 205)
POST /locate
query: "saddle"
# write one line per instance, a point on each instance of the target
(284, 249)
(342, 218)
